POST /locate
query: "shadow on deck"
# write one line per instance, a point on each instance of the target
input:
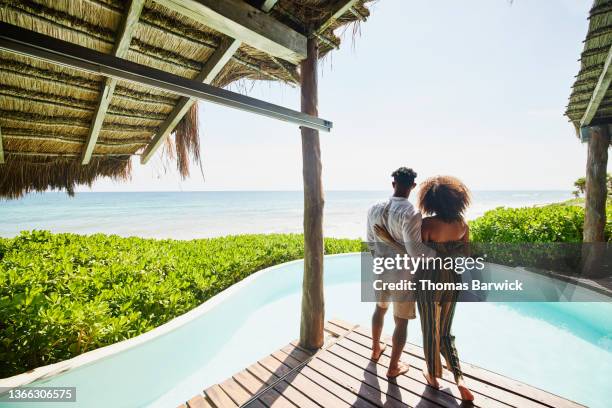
(342, 375)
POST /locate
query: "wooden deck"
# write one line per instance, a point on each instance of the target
(342, 375)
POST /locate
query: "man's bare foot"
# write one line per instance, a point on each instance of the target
(465, 392)
(401, 368)
(378, 351)
(432, 381)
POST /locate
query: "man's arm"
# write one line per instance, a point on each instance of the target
(370, 237)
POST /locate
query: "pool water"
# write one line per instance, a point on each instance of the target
(564, 348)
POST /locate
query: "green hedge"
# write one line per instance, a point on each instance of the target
(65, 294)
(547, 237)
(551, 223)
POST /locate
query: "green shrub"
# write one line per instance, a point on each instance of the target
(551, 223)
(65, 294)
(547, 237)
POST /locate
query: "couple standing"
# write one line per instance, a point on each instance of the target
(443, 200)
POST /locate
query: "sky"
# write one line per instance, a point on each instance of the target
(475, 89)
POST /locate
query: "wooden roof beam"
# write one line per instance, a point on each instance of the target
(210, 70)
(237, 19)
(268, 5)
(603, 83)
(29, 43)
(122, 44)
(340, 8)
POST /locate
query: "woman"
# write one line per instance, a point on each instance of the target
(443, 199)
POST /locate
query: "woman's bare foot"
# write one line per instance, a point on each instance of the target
(401, 368)
(465, 392)
(378, 350)
(432, 381)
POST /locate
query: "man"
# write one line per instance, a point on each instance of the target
(403, 222)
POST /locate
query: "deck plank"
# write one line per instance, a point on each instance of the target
(237, 393)
(283, 388)
(304, 384)
(413, 380)
(347, 394)
(371, 391)
(481, 388)
(342, 374)
(342, 393)
(218, 397)
(390, 388)
(471, 371)
(253, 385)
(198, 401)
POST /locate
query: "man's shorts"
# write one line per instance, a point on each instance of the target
(401, 310)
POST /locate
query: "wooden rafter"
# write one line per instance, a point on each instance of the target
(268, 5)
(210, 70)
(340, 8)
(599, 92)
(29, 43)
(237, 19)
(122, 44)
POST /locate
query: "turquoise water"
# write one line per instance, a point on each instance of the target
(564, 348)
(186, 215)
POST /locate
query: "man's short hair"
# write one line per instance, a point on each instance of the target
(404, 176)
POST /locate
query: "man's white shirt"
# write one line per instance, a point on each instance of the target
(403, 223)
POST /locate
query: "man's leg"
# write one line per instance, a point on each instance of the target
(378, 320)
(399, 341)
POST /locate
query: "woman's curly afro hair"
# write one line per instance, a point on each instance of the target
(444, 196)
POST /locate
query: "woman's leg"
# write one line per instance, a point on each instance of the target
(429, 312)
(448, 349)
(447, 340)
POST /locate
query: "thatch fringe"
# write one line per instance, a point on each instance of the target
(187, 142)
(21, 175)
(46, 110)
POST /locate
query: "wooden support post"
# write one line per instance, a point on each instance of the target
(1, 149)
(593, 249)
(313, 310)
(596, 190)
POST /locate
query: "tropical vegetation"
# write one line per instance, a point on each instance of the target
(551, 223)
(65, 294)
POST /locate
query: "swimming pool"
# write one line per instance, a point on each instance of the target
(564, 348)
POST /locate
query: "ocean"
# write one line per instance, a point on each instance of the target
(188, 215)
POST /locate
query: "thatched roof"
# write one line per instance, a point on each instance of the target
(592, 63)
(46, 110)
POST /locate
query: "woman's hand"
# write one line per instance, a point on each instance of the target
(383, 234)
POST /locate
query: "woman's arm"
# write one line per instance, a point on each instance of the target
(383, 234)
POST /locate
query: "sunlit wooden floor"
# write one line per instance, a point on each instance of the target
(342, 375)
